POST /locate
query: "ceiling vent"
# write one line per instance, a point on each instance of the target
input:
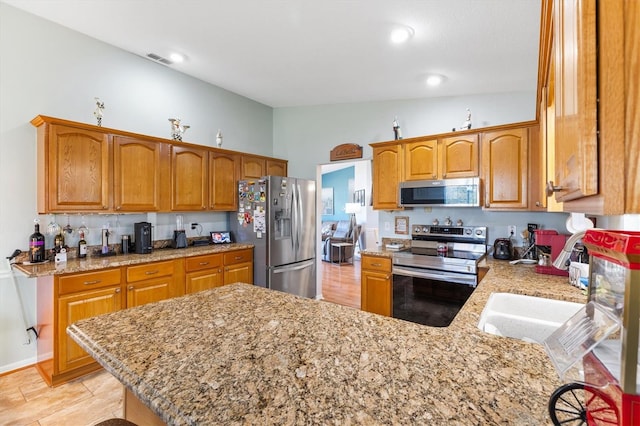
(159, 58)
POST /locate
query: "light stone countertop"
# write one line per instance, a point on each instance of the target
(242, 354)
(94, 263)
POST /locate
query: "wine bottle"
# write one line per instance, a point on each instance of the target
(36, 246)
(82, 246)
(58, 242)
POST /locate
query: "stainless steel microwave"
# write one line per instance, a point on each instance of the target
(463, 192)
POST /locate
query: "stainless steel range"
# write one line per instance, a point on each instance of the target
(434, 280)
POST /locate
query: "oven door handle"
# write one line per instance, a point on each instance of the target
(439, 275)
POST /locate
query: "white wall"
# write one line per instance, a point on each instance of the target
(50, 70)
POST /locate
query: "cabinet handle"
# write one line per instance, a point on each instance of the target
(130, 287)
(92, 282)
(444, 175)
(118, 207)
(117, 290)
(538, 204)
(151, 272)
(219, 271)
(376, 264)
(104, 207)
(226, 269)
(388, 277)
(238, 257)
(551, 188)
(203, 263)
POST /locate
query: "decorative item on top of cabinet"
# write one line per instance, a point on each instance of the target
(467, 123)
(177, 129)
(219, 139)
(387, 170)
(505, 168)
(376, 286)
(99, 111)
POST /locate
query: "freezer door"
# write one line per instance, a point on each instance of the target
(305, 219)
(298, 278)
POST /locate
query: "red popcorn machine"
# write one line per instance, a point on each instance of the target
(597, 350)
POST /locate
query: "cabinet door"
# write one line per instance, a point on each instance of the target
(376, 293)
(459, 157)
(576, 153)
(223, 185)
(78, 176)
(240, 272)
(252, 167)
(136, 180)
(387, 169)
(149, 291)
(204, 280)
(77, 306)
(505, 168)
(421, 160)
(276, 168)
(189, 183)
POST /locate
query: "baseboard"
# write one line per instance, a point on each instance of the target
(19, 365)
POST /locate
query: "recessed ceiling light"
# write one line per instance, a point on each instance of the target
(176, 57)
(434, 80)
(401, 34)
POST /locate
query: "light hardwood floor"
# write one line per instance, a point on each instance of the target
(25, 399)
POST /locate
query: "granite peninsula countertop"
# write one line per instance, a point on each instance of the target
(242, 354)
(92, 263)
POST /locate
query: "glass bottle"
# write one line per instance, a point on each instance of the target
(82, 246)
(36, 246)
(58, 242)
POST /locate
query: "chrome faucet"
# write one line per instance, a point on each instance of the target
(562, 261)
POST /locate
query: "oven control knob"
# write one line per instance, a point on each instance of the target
(425, 230)
(416, 230)
(479, 232)
(467, 231)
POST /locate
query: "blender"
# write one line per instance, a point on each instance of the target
(179, 235)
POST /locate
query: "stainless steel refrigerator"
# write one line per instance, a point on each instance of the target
(278, 215)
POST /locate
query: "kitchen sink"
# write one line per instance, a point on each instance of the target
(527, 318)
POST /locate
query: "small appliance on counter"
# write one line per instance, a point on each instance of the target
(144, 242)
(549, 245)
(179, 235)
(503, 249)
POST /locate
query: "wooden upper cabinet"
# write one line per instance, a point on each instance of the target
(421, 160)
(459, 157)
(505, 168)
(77, 167)
(136, 169)
(252, 167)
(223, 185)
(576, 109)
(387, 169)
(276, 167)
(189, 183)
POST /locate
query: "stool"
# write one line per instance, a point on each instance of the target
(115, 422)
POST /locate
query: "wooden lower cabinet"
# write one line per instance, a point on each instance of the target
(63, 300)
(155, 281)
(238, 266)
(376, 285)
(203, 272)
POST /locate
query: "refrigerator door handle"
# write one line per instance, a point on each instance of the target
(296, 267)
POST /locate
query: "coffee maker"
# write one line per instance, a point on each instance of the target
(144, 242)
(179, 235)
(549, 245)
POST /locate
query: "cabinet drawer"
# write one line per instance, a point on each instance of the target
(374, 263)
(208, 261)
(149, 270)
(238, 256)
(88, 281)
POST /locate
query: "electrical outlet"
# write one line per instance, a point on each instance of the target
(511, 230)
